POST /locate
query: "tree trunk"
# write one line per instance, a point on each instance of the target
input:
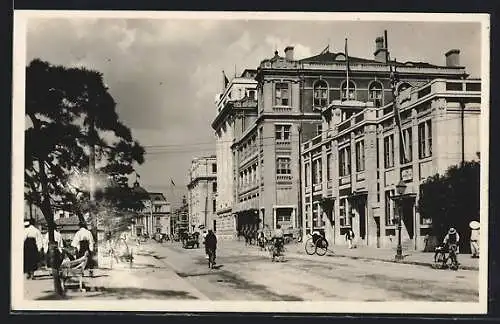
(49, 217)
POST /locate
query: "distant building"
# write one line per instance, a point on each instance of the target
(155, 217)
(202, 192)
(350, 171)
(180, 219)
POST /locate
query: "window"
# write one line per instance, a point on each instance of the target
(345, 161)
(251, 94)
(317, 171)
(214, 203)
(283, 165)
(320, 94)
(316, 212)
(158, 219)
(282, 132)
(351, 89)
(319, 129)
(214, 187)
(389, 210)
(389, 151)
(214, 168)
(407, 146)
(344, 212)
(281, 94)
(425, 139)
(360, 155)
(283, 215)
(375, 93)
(329, 166)
(308, 212)
(307, 174)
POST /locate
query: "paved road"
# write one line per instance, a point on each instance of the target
(247, 274)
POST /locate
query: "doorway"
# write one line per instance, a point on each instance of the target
(377, 222)
(407, 210)
(362, 217)
(215, 226)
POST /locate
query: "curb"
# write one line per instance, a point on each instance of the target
(419, 263)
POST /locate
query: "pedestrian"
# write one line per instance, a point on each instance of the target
(474, 239)
(33, 241)
(57, 239)
(211, 244)
(349, 236)
(204, 237)
(83, 241)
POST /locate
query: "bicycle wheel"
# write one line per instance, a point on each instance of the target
(321, 247)
(310, 246)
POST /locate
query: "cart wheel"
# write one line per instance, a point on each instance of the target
(310, 247)
(321, 247)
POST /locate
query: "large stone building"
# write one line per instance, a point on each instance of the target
(202, 191)
(238, 97)
(363, 161)
(291, 95)
(155, 217)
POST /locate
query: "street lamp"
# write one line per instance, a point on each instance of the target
(400, 190)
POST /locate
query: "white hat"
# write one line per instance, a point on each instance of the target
(452, 231)
(474, 225)
(26, 223)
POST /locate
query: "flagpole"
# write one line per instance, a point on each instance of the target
(347, 70)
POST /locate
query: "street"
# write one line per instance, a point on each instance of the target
(245, 273)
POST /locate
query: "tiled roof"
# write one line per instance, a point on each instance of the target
(157, 196)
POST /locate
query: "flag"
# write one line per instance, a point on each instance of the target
(325, 50)
(226, 80)
(172, 182)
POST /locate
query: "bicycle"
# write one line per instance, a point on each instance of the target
(317, 246)
(120, 251)
(446, 258)
(276, 250)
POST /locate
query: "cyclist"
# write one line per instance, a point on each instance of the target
(450, 241)
(211, 244)
(278, 238)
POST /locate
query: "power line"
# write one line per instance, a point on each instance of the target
(186, 147)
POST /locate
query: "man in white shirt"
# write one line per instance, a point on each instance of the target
(83, 241)
(33, 244)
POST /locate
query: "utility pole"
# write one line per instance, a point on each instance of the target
(92, 210)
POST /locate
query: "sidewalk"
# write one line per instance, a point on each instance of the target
(148, 278)
(366, 253)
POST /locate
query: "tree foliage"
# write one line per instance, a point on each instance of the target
(61, 105)
(452, 200)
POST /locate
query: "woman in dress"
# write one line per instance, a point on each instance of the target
(32, 248)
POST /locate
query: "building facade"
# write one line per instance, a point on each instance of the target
(155, 216)
(291, 95)
(179, 222)
(202, 191)
(350, 172)
(237, 97)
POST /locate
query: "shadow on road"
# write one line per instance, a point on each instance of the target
(124, 293)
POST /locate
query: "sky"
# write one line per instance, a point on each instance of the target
(164, 74)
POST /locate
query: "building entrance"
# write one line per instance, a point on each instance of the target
(248, 219)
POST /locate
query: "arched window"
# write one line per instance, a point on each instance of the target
(403, 86)
(375, 92)
(320, 94)
(351, 89)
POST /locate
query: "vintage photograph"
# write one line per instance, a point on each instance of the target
(191, 161)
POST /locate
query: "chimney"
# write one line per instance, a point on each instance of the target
(452, 58)
(289, 53)
(380, 54)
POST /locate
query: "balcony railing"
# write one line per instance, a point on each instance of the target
(282, 108)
